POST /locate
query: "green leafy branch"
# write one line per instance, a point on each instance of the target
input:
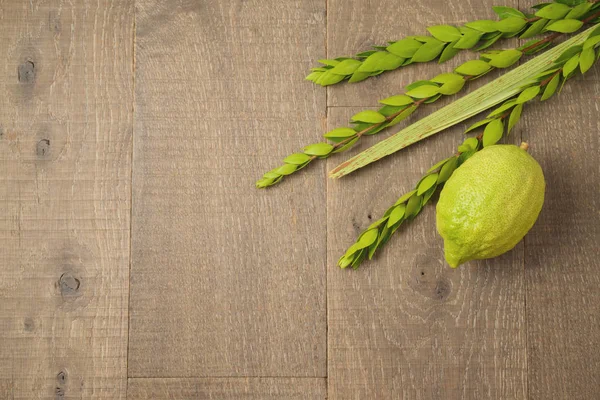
(395, 109)
(498, 123)
(561, 16)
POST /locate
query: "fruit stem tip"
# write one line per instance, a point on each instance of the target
(524, 146)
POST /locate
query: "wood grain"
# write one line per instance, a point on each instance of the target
(561, 251)
(65, 162)
(406, 326)
(228, 389)
(227, 280)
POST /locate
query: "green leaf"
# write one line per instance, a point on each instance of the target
(551, 87)
(387, 110)
(428, 51)
(570, 66)
(448, 53)
(286, 169)
(416, 84)
(332, 63)
(380, 61)
(367, 238)
(553, 11)
(445, 33)
(405, 114)
(488, 42)
(436, 166)
(297, 159)
(505, 58)
(346, 67)
(370, 116)
(535, 29)
(511, 24)
(398, 100)
(427, 195)
(528, 94)
(423, 91)
(358, 77)
(498, 111)
(329, 78)
(587, 59)
(505, 12)
(478, 124)
(546, 73)
(591, 42)
(318, 149)
(570, 3)
(396, 215)
(514, 118)
(346, 146)
(468, 144)
(405, 48)
(565, 26)
(385, 232)
(469, 39)
(405, 197)
(340, 133)
(452, 87)
(413, 206)
(447, 77)
(447, 169)
(493, 132)
(579, 10)
(465, 156)
(568, 54)
(484, 25)
(473, 68)
(426, 183)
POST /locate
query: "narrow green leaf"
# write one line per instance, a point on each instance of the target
(447, 169)
(428, 51)
(426, 183)
(579, 10)
(398, 100)
(505, 58)
(370, 116)
(405, 48)
(465, 156)
(396, 215)
(484, 25)
(449, 52)
(568, 54)
(514, 118)
(297, 159)
(478, 124)
(500, 110)
(493, 132)
(439, 164)
(318, 149)
(340, 133)
(433, 99)
(535, 29)
(489, 41)
(468, 144)
(405, 197)
(380, 61)
(570, 66)
(329, 78)
(591, 42)
(286, 169)
(347, 146)
(551, 88)
(405, 114)
(587, 59)
(528, 94)
(423, 91)
(388, 110)
(445, 33)
(346, 67)
(511, 24)
(358, 77)
(452, 87)
(468, 40)
(413, 206)
(447, 77)
(332, 63)
(505, 12)
(565, 25)
(473, 68)
(367, 238)
(553, 11)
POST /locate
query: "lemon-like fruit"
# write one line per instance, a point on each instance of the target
(489, 203)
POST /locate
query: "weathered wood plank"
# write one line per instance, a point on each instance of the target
(561, 251)
(65, 152)
(227, 389)
(406, 325)
(227, 280)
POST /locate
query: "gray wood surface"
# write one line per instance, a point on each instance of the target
(228, 389)
(227, 280)
(65, 166)
(147, 141)
(561, 251)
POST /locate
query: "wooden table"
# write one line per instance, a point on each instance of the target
(138, 261)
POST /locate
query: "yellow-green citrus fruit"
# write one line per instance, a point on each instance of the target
(489, 203)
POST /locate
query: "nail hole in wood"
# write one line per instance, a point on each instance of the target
(26, 72)
(43, 147)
